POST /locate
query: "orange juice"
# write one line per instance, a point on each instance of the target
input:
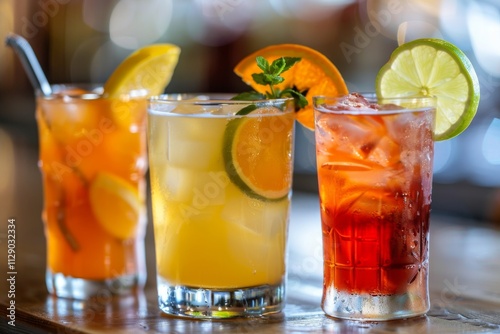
(219, 225)
(93, 162)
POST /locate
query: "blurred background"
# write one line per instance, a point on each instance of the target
(82, 41)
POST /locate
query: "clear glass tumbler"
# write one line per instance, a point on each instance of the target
(221, 174)
(374, 165)
(93, 163)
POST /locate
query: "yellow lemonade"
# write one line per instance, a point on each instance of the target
(208, 231)
(221, 200)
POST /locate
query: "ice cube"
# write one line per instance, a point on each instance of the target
(400, 126)
(263, 218)
(199, 155)
(199, 189)
(188, 109)
(385, 153)
(353, 134)
(196, 128)
(353, 101)
(70, 121)
(226, 109)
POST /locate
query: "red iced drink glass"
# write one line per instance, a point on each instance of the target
(374, 163)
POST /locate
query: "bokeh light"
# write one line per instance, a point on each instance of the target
(451, 20)
(105, 58)
(411, 30)
(483, 20)
(388, 16)
(481, 154)
(96, 14)
(447, 167)
(312, 10)
(216, 23)
(491, 143)
(136, 23)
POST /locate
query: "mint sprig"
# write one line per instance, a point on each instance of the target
(271, 76)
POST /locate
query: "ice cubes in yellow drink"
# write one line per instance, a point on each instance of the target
(221, 194)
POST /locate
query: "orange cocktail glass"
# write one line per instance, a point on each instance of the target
(93, 162)
(375, 176)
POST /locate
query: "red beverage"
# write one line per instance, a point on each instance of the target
(361, 253)
(375, 176)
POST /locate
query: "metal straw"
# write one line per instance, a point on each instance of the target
(30, 63)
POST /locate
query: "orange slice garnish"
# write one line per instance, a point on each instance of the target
(257, 153)
(314, 75)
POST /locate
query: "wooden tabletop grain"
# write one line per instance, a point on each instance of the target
(464, 276)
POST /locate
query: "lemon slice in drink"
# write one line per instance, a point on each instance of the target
(149, 68)
(116, 205)
(256, 152)
(434, 67)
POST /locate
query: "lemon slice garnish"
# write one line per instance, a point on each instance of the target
(149, 68)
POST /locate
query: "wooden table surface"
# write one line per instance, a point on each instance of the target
(464, 276)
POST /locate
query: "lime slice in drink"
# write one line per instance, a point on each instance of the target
(433, 67)
(149, 68)
(256, 151)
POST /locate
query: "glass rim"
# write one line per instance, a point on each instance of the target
(166, 104)
(405, 104)
(91, 91)
(209, 99)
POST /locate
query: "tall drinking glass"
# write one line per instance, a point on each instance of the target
(374, 161)
(221, 199)
(93, 162)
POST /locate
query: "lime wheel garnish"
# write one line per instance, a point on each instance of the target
(434, 67)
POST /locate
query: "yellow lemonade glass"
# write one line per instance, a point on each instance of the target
(221, 187)
(93, 163)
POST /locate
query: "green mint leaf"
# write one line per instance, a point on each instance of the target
(263, 64)
(271, 76)
(274, 79)
(283, 64)
(249, 96)
(290, 61)
(277, 66)
(299, 98)
(267, 79)
(260, 78)
(274, 94)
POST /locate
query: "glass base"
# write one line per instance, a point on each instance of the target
(80, 288)
(220, 303)
(365, 307)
